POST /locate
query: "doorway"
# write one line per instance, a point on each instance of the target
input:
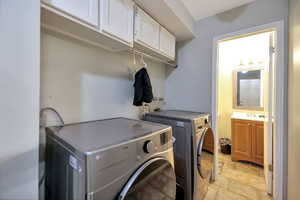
(248, 82)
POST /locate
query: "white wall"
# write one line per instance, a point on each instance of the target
(183, 14)
(294, 105)
(19, 102)
(87, 83)
(189, 86)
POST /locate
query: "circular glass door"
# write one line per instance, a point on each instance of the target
(205, 153)
(155, 180)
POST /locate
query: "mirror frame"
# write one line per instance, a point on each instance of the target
(234, 86)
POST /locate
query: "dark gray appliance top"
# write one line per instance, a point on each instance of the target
(95, 135)
(179, 114)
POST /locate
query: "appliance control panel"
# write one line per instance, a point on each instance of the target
(155, 143)
(202, 123)
(165, 137)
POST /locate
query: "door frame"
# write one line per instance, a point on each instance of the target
(280, 135)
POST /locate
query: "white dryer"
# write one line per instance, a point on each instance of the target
(119, 158)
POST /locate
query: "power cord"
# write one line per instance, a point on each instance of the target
(43, 110)
(43, 126)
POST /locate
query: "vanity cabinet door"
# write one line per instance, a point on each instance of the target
(257, 130)
(241, 140)
(84, 10)
(117, 19)
(208, 144)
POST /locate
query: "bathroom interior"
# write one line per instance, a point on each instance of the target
(243, 108)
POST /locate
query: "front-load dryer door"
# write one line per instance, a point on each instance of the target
(154, 180)
(205, 162)
(205, 159)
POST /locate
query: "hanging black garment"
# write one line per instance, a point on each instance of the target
(142, 88)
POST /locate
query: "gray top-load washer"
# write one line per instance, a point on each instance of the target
(110, 159)
(193, 166)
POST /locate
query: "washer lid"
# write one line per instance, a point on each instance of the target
(178, 114)
(92, 136)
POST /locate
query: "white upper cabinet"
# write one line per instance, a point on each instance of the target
(146, 30)
(85, 10)
(117, 19)
(112, 24)
(152, 35)
(167, 43)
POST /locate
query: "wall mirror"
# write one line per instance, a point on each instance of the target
(248, 90)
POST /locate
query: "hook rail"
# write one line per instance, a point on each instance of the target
(134, 51)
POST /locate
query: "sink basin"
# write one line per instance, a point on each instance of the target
(248, 116)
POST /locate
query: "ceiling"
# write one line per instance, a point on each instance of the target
(200, 9)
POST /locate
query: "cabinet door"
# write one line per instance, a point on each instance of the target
(117, 19)
(258, 142)
(241, 140)
(146, 30)
(167, 43)
(208, 144)
(85, 10)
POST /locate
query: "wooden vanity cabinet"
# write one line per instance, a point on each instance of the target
(258, 143)
(208, 143)
(247, 141)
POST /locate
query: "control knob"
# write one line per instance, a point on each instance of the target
(206, 121)
(148, 146)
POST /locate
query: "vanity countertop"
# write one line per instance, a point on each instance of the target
(248, 116)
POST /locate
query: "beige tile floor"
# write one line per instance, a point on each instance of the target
(238, 181)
